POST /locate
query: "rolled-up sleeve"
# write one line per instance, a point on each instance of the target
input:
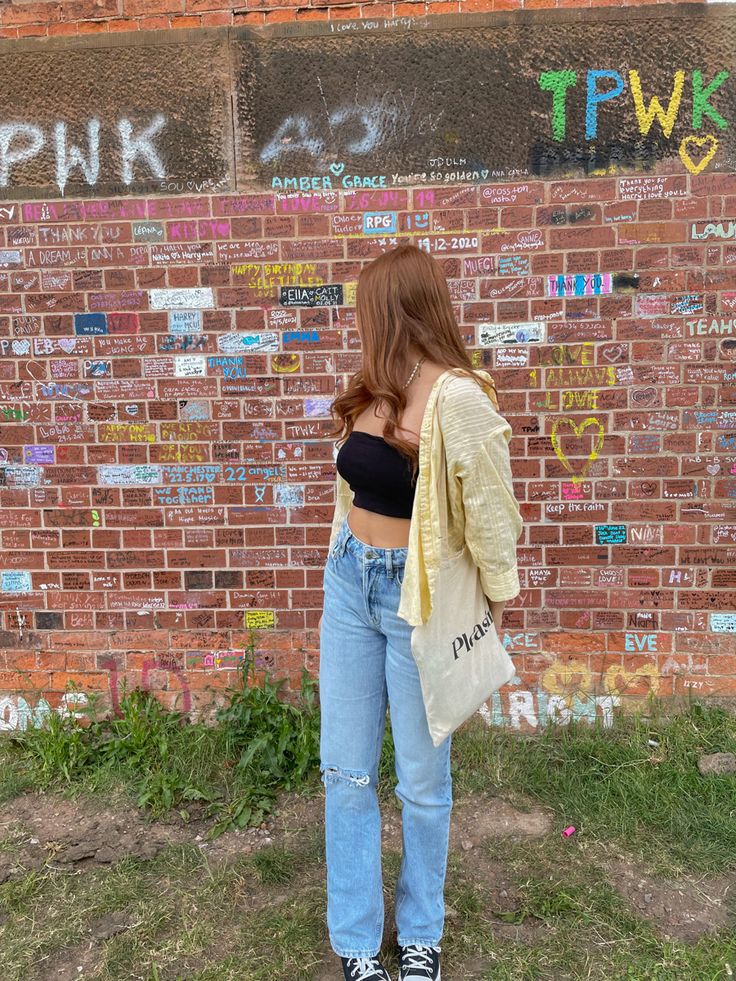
(493, 520)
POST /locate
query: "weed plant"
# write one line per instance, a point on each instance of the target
(271, 745)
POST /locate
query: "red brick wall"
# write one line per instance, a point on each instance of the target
(42, 18)
(623, 414)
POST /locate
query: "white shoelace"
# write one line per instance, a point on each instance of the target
(416, 956)
(367, 967)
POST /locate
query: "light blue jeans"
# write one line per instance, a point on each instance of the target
(366, 662)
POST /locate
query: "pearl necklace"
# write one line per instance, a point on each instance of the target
(416, 369)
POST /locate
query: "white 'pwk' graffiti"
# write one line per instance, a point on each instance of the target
(22, 141)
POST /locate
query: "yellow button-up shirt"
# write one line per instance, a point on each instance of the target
(483, 512)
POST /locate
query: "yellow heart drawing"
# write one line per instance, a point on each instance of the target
(700, 142)
(640, 681)
(568, 677)
(578, 431)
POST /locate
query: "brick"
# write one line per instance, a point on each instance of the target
(280, 16)
(406, 9)
(646, 232)
(591, 190)
(203, 6)
(147, 8)
(433, 6)
(33, 30)
(55, 30)
(514, 242)
(160, 23)
(582, 238)
(185, 22)
(60, 681)
(216, 19)
(655, 210)
(249, 17)
(85, 10)
(124, 24)
(710, 184)
(514, 218)
(31, 13)
(557, 215)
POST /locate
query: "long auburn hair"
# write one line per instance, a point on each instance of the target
(402, 299)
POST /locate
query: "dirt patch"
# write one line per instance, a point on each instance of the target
(296, 817)
(82, 961)
(476, 825)
(475, 821)
(478, 968)
(501, 895)
(47, 830)
(683, 909)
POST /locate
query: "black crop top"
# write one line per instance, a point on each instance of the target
(379, 475)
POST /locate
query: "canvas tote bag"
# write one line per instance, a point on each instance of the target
(460, 659)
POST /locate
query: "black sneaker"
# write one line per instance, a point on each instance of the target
(364, 969)
(420, 963)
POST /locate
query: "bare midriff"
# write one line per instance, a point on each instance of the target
(379, 530)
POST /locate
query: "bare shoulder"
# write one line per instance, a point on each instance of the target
(431, 371)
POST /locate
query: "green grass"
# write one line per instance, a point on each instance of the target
(260, 917)
(196, 922)
(274, 864)
(579, 927)
(180, 908)
(610, 783)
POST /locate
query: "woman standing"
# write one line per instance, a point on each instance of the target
(415, 395)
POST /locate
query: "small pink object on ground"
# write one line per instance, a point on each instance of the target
(568, 831)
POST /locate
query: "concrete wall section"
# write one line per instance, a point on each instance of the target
(147, 114)
(445, 99)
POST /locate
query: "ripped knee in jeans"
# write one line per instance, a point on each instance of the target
(335, 773)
